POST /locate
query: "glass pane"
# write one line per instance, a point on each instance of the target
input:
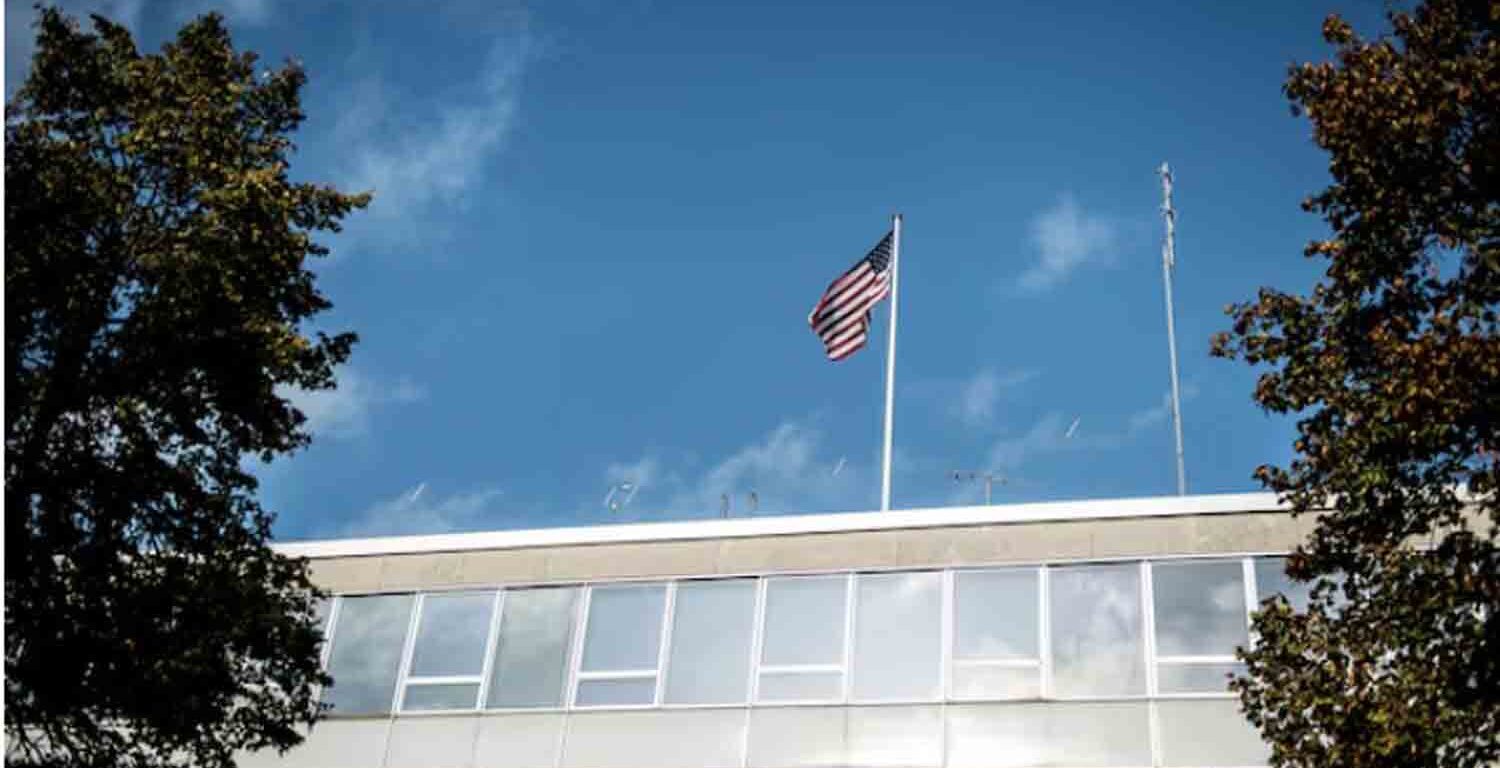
(1073, 733)
(1196, 678)
(426, 697)
(366, 656)
(603, 693)
(804, 620)
(1200, 607)
(1096, 631)
(801, 686)
(531, 656)
(453, 631)
(986, 682)
(624, 628)
(709, 660)
(1271, 579)
(995, 614)
(1208, 733)
(322, 608)
(898, 642)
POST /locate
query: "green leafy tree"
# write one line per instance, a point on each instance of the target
(156, 292)
(1392, 365)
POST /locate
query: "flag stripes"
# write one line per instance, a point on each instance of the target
(841, 318)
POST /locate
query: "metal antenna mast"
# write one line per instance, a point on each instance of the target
(988, 476)
(1168, 264)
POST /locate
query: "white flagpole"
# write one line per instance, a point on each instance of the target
(890, 364)
(1169, 263)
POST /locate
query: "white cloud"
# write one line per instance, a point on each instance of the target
(977, 396)
(414, 512)
(1066, 238)
(344, 412)
(422, 154)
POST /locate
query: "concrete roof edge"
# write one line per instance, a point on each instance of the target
(783, 525)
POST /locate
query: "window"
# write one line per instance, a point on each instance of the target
(802, 648)
(997, 634)
(1097, 646)
(447, 659)
(709, 658)
(530, 668)
(1199, 610)
(898, 622)
(621, 646)
(366, 655)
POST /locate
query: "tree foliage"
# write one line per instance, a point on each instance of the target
(1392, 365)
(155, 294)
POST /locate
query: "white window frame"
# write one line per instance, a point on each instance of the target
(756, 670)
(663, 640)
(406, 680)
(760, 668)
(1156, 661)
(1041, 662)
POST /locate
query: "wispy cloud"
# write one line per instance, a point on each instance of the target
(1156, 415)
(1066, 238)
(981, 393)
(415, 511)
(345, 412)
(422, 153)
(787, 468)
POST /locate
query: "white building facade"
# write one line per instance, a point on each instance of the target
(1097, 633)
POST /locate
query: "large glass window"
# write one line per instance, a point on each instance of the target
(448, 655)
(1199, 608)
(898, 621)
(366, 654)
(709, 659)
(1097, 646)
(997, 634)
(802, 648)
(621, 645)
(531, 655)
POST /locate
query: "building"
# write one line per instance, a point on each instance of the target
(1095, 633)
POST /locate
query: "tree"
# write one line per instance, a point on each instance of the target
(156, 292)
(1392, 366)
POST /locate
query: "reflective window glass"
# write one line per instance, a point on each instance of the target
(531, 654)
(995, 614)
(366, 654)
(624, 628)
(452, 632)
(712, 627)
(804, 620)
(1199, 607)
(898, 636)
(1097, 647)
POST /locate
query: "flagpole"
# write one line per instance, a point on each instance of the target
(890, 364)
(1168, 264)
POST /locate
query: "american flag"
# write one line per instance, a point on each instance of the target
(842, 317)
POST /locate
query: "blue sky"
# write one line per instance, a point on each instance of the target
(599, 227)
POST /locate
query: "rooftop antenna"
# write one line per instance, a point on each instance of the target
(988, 476)
(1168, 264)
(620, 494)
